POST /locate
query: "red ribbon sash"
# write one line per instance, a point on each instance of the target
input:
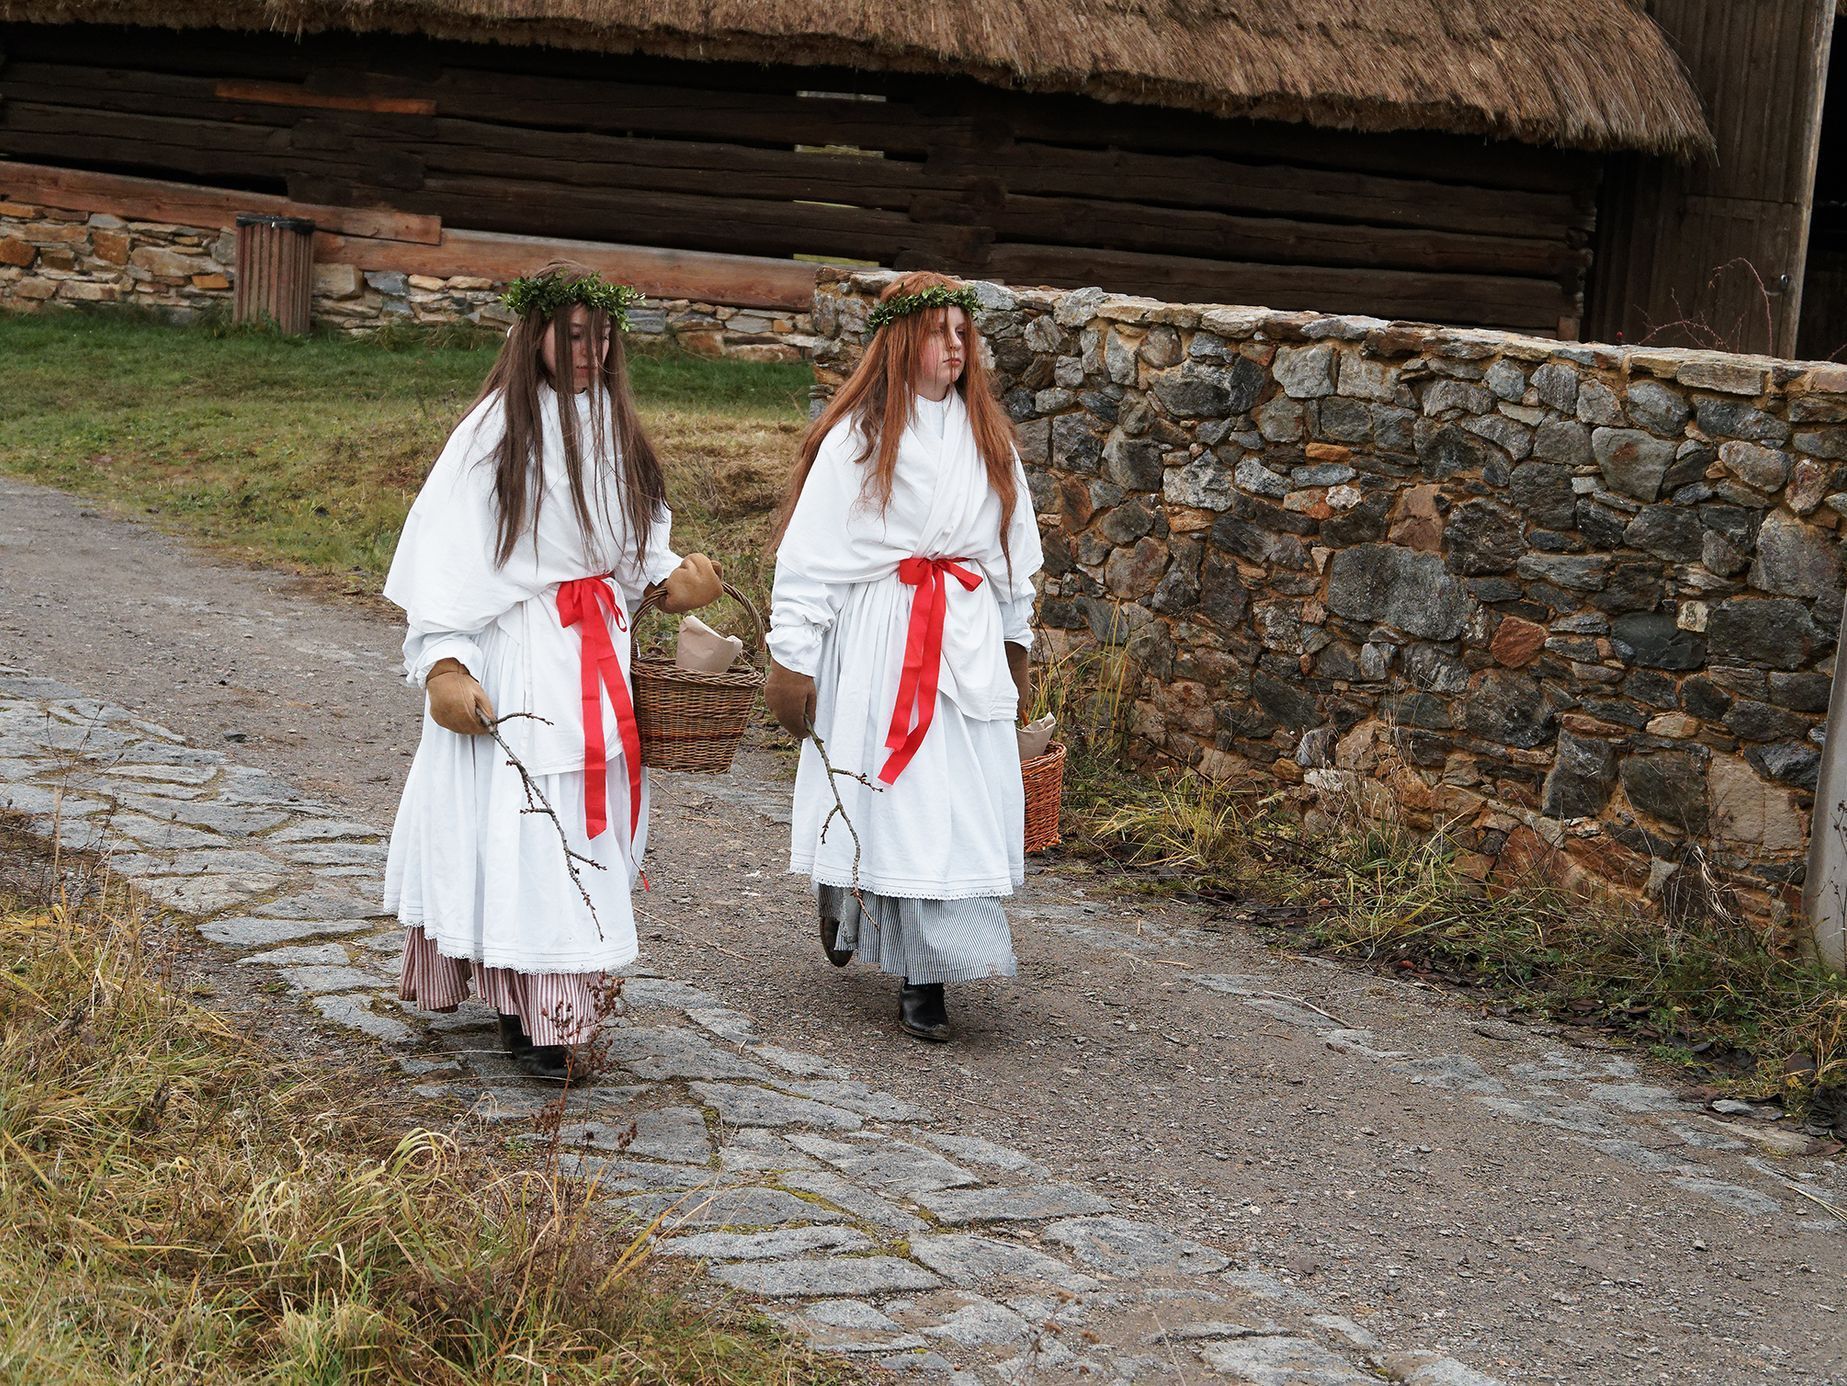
(590, 604)
(923, 656)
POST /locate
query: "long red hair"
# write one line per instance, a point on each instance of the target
(880, 398)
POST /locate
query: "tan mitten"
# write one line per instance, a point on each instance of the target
(457, 702)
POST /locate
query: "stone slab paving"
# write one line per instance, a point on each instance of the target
(865, 1224)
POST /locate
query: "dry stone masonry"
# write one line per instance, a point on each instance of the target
(55, 259)
(1578, 604)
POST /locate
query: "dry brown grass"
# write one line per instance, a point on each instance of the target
(178, 1205)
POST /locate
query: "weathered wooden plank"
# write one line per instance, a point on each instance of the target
(645, 100)
(1485, 300)
(186, 204)
(749, 117)
(1758, 70)
(583, 159)
(1688, 245)
(131, 90)
(1217, 235)
(1233, 185)
(285, 94)
(675, 219)
(219, 150)
(1075, 121)
(745, 281)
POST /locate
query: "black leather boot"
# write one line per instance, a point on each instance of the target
(921, 1012)
(830, 935)
(513, 1038)
(556, 1061)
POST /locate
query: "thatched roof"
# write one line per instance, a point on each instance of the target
(1588, 74)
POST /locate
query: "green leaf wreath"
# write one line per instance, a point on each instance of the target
(936, 296)
(545, 294)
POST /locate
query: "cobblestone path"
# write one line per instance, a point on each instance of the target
(871, 1228)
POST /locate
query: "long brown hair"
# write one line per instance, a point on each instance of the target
(518, 372)
(880, 397)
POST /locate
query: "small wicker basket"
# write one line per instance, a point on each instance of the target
(1044, 776)
(693, 721)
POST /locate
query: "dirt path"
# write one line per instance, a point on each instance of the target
(1540, 1211)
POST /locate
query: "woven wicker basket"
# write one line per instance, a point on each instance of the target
(1044, 776)
(693, 721)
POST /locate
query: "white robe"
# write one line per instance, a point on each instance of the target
(484, 879)
(952, 824)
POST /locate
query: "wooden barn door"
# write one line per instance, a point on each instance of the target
(1712, 255)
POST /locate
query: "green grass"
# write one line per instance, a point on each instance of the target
(180, 1205)
(307, 452)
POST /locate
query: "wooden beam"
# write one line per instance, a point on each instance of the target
(1807, 155)
(386, 240)
(286, 94)
(187, 204)
(743, 281)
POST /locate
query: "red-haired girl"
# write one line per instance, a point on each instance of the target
(900, 631)
(539, 529)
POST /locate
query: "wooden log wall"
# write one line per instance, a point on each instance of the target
(1712, 255)
(780, 161)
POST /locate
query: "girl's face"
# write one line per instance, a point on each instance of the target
(945, 353)
(589, 349)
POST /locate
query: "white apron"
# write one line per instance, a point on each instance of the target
(486, 880)
(950, 825)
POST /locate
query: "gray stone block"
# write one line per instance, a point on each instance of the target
(251, 931)
(988, 1263)
(353, 1011)
(1029, 1203)
(742, 1104)
(764, 1246)
(832, 1275)
(1121, 1246)
(889, 1165)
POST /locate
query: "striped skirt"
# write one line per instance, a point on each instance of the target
(923, 941)
(553, 1007)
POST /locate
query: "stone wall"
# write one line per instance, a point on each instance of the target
(50, 258)
(1576, 603)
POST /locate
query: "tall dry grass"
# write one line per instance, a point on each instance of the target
(1707, 991)
(178, 1204)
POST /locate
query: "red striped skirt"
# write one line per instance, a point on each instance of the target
(554, 1007)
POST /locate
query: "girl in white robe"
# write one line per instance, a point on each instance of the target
(900, 631)
(539, 529)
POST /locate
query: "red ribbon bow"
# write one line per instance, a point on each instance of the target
(590, 604)
(923, 656)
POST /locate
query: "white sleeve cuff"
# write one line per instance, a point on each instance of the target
(661, 564)
(797, 648)
(1016, 621)
(423, 652)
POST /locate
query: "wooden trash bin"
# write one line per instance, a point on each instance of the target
(275, 271)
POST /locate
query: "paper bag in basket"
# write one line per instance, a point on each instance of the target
(702, 650)
(1035, 737)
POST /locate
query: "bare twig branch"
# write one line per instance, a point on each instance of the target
(536, 802)
(840, 809)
